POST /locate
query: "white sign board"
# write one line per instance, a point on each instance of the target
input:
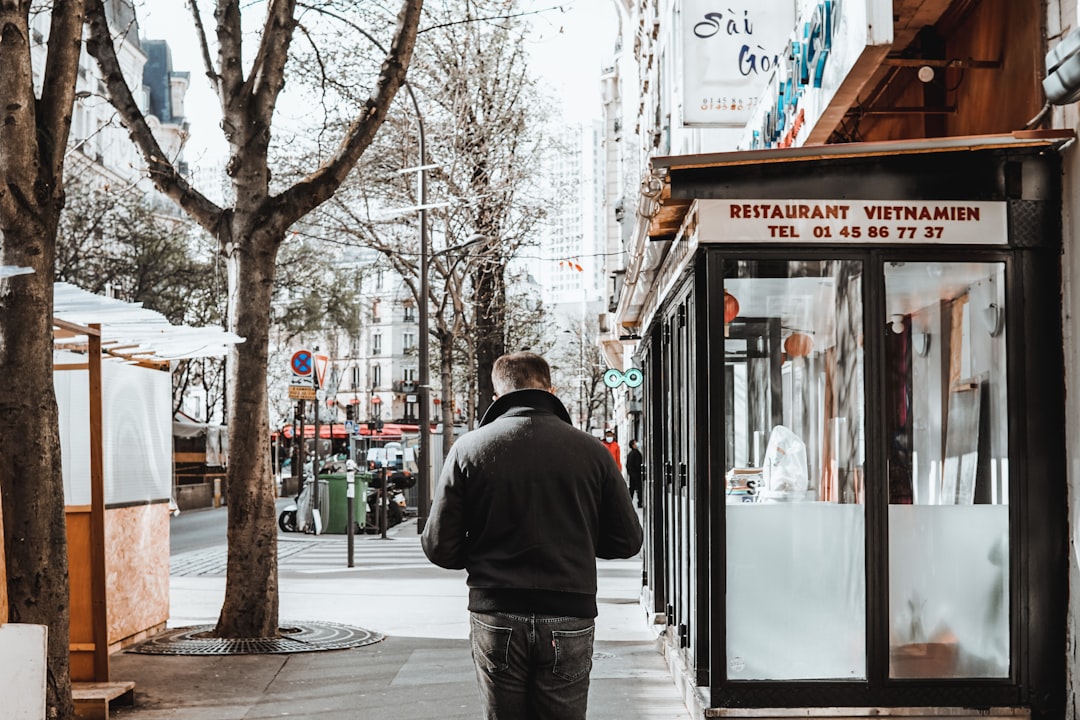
(896, 222)
(729, 51)
(22, 670)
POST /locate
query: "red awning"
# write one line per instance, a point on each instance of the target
(337, 430)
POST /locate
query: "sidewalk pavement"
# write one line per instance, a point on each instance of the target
(422, 669)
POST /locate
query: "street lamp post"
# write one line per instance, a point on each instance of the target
(423, 481)
(423, 485)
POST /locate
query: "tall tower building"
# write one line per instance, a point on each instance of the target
(573, 237)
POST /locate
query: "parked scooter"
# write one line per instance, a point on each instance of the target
(301, 516)
(396, 482)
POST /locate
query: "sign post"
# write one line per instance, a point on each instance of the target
(302, 386)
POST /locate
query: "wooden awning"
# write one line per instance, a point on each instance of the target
(673, 205)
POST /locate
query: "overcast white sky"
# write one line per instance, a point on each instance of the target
(570, 46)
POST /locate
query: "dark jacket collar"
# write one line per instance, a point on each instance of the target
(540, 400)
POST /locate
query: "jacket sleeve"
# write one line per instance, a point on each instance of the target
(444, 538)
(620, 530)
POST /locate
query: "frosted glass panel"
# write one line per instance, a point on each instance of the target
(796, 593)
(946, 413)
(137, 433)
(73, 404)
(794, 416)
(949, 591)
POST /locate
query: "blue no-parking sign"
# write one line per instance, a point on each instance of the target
(302, 364)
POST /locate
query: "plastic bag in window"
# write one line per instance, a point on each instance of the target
(785, 463)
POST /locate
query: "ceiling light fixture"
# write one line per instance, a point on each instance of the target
(896, 323)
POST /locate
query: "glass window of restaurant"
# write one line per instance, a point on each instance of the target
(795, 484)
(946, 424)
(826, 543)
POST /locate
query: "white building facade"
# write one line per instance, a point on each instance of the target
(99, 145)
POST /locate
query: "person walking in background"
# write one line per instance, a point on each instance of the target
(612, 446)
(633, 470)
(526, 503)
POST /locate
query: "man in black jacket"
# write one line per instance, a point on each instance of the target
(526, 503)
(633, 469)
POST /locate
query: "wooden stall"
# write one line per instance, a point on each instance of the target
(114, 393)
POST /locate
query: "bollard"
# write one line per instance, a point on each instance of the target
(217, 492)
(350, 500)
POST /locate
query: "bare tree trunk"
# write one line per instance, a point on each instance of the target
(249, 235)
(31, 482)
(490, 303)
(33, 138)
(446, 380)
(471, 394)
(251, 588)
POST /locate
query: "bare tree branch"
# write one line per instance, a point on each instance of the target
(317, 187)
(490, 18)
(268, 71)
(204, 48)
(58, 89)
(230, 39)
(18, 130)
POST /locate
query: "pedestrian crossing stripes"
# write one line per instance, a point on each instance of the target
(310, 554)
(372, 553)
(213, 561)
(314, 554)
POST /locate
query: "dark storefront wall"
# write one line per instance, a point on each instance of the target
(909, 564)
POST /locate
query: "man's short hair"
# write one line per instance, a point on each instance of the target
(520, 371)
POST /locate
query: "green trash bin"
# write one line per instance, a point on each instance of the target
(336, 512)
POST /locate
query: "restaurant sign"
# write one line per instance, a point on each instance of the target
(729, 51)
(898, 222)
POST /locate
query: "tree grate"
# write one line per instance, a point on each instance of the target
(296, 637)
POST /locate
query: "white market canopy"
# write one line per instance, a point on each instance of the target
(13, 270)
(129, 331)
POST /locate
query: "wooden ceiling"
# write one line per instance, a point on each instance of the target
(669, 215)
(911, 16)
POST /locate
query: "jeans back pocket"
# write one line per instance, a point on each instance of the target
(490, 646)
(573, 652)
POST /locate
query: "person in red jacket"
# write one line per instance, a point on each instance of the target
(612, 446)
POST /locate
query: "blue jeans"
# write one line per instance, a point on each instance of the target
(532, 667)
